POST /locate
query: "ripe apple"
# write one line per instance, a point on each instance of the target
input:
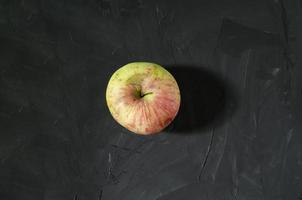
(143, 97)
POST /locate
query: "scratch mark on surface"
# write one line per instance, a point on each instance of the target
(160, 15)
(289, 136)
(251, 181)
(20, 109)
(285, 22)
(101, 195)
(55, 122)
(246, 68)
(174, 189)
(172, 51)
(284, 156)
(206, 156)
(126, 149)
(275, 71)
(76, 197)
(115, 50)
(255, 120)
(288, 139)
(109, 164)
(221, 155)
(119, 138)
(235, 177)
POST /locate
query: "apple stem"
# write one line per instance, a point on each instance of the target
(142, 95)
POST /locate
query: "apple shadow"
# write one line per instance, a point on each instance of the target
(207, 101)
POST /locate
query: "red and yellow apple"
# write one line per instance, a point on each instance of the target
(143, 97)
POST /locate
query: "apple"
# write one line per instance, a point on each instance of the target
(143, 97)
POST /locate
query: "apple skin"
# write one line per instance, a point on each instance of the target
(143, 97)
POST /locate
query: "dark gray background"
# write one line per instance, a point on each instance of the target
(238, 133)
